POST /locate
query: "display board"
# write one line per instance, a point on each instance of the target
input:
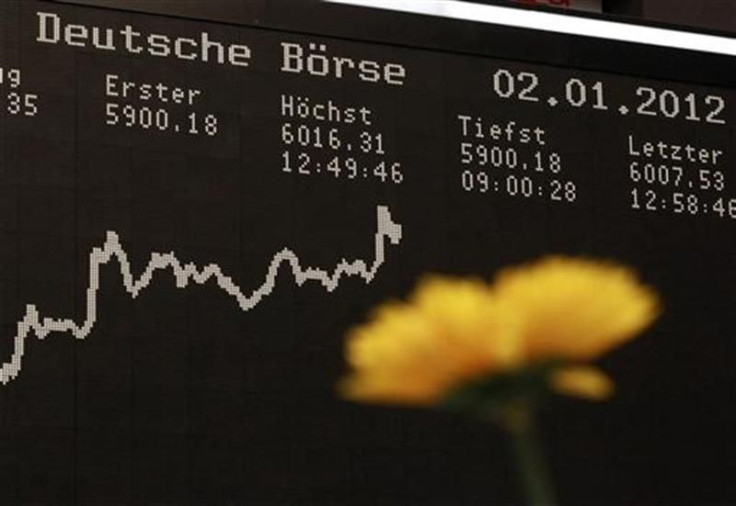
(193, 214)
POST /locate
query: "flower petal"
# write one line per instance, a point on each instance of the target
(576, 309)
(582, 381)
(449, 332)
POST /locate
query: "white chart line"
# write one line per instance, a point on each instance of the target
(34, 323)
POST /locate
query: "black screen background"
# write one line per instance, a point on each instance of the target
(178, 397)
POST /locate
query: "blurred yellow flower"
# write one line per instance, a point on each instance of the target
(453, 332)
(576, 309)
(450, 331)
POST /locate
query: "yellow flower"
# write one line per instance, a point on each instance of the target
(454, 332)
(449, 332)
(576, 309)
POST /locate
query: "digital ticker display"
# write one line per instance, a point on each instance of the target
(193, 214)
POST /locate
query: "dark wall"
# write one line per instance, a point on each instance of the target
(624, 7)
(217, 10)
(713, 14)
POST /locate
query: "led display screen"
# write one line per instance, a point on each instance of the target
(193, 214)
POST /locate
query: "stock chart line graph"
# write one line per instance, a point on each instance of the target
(33, 323)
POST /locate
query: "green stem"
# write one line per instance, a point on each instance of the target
(519, 423)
